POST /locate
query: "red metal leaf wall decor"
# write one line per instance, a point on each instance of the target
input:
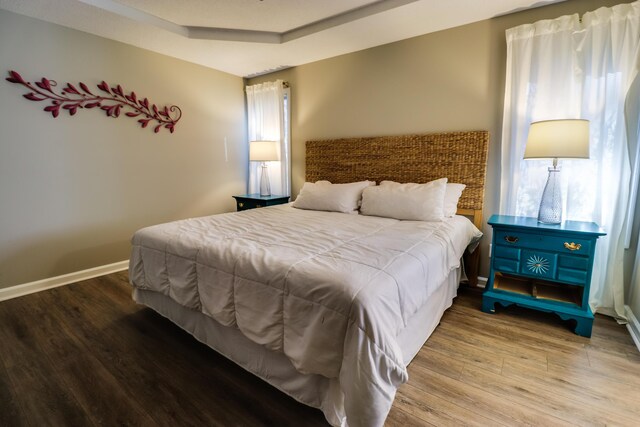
(71, 98)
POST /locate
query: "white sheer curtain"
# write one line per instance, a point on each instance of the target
(267, 116)
(564, 68)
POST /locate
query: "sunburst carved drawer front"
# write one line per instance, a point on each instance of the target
(539, 264)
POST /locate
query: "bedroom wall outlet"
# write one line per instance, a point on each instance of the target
(490, 249)
(226, 153)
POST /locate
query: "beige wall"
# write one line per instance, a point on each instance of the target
(449, 80)
(74, 189)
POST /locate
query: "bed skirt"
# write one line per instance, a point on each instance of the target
(275, 368)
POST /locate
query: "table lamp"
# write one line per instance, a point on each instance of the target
(566, 138)
(264, 151)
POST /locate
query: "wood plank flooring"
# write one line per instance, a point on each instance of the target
(86, 354)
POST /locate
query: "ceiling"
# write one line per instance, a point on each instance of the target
(252, 37)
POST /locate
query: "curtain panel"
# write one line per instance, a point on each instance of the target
(568, 68)
(267, 117)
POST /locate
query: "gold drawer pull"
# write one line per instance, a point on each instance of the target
(572, 246)
(240, 205)
(511, 239)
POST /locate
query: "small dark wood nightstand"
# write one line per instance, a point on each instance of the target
(251, 201)
(543, 267)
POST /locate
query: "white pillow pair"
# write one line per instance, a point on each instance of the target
(432, 201)
(325, 196)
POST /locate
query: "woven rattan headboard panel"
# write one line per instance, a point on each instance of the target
(459, 156)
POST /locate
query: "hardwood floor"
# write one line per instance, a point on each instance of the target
(86, 354)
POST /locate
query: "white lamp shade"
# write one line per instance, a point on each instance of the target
(263, 151)
(567, 138)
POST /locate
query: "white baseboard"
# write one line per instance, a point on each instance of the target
(54, 282)
(633, 326)
(482, 281)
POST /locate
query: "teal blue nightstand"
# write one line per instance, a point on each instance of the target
(543, 267)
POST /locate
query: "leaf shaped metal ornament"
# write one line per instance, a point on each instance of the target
(103, 86)
(15, 78)
(71, 89)
(53, 109)
(45, 84)
(33, 97)
(72, 99)
(85, 88)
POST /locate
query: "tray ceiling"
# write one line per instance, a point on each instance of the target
(251, 37)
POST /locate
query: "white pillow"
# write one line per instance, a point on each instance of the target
(324, 196)
(417, 202)
(451, 196)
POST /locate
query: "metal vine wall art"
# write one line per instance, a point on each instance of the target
(71, 99)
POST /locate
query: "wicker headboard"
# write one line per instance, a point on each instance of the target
(459, 156)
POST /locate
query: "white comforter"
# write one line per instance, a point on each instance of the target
(331, 291)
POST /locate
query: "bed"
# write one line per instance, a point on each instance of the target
(328, 307)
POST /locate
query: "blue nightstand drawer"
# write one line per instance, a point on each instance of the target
(506, 265)
(519, 239)
(576, 277)
(507, 252)
(539, 264)
(574, 262)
